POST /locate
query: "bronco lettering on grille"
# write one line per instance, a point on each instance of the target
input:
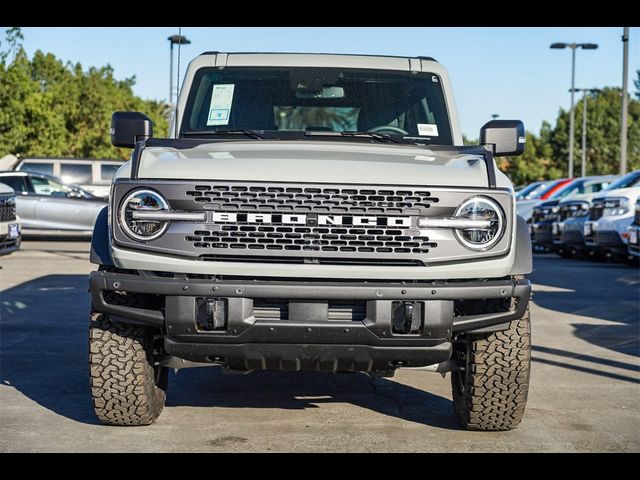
(306, 219)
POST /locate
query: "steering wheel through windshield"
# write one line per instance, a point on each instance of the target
(387, 129)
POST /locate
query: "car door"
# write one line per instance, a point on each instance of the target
(58, 208)
(25, 200)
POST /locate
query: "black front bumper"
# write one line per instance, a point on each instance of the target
(542, 234)
(307, 339)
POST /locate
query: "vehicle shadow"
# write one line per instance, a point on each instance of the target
(597, 290)
(44, 355)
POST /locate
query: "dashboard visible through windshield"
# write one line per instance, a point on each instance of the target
(291, 102)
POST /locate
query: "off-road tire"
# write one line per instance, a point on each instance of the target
(126, 387)
(491, 392)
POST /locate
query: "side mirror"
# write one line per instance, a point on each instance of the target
(505, 137)
(127, 128)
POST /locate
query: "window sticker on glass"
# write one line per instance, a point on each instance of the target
(428, 129)
(221, 100)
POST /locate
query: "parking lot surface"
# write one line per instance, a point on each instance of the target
(584, 395)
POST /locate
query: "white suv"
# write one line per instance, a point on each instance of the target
(610, 217)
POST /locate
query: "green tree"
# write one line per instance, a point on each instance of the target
(603, 133)
(636, 82)
(48, 108)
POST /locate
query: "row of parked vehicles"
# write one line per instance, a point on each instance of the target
(51, 197)
(594, 217)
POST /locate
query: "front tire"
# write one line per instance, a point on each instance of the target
(126, 387)
(491, 392)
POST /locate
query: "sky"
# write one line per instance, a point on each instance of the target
(509, 71)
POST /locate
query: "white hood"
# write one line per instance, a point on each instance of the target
(314, 161)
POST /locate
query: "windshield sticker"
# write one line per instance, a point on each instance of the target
(428, 129)
(221, 100)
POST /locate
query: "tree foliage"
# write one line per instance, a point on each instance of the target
(48, 108)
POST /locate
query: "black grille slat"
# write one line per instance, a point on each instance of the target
(7, 210)
(360, 201)
(363, 239)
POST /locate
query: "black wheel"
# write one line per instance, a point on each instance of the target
(127, 388)
(490, 393)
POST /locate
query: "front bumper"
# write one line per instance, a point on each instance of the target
(9, 242)
(307, 338)
(634, 240)
(542, 234)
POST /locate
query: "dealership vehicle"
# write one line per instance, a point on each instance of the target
(533, 190)
(9, 225)
(47, 206)
(545, 215)
(568, 231)
(634, 232)
(92, 175)
(524, 207)
(315, 212)
(610, 217)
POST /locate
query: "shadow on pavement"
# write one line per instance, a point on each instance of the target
(602, 291)
(43, 354)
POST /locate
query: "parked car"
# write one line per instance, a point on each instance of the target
(524, 207)
(634, 232)
(546, 213)
(48, 206)
(9, 224)
(573, 214)
(610, 217)
(533, 190)
(92, 175)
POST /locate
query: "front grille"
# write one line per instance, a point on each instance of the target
(7, 210)
(320, 223)
(596, 210)
(240, 237)
(636, 217)
(284, 199)
(564, 213)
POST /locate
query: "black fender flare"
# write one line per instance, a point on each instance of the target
(100, 252)
(524, 257)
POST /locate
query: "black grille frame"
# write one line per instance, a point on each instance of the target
(406, 247)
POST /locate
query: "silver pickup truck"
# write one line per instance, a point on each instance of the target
(312, 211)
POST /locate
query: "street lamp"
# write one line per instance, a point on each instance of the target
(583, 166)
(573, 46)
(174, 40)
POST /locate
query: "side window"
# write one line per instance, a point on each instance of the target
(36, 167)
(18, 183)
(81, 173)
(49, 187)
(108, 171)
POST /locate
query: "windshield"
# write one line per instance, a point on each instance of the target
(581, 186)
(291, 101)
(629, 180)
(532, 191)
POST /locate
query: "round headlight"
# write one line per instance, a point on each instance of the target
(142, 201)
(480, 208)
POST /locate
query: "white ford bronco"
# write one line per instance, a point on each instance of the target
(312, 211)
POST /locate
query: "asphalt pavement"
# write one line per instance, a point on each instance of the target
(584, 394)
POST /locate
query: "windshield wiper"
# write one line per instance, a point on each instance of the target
(258, 134)
(383, 137)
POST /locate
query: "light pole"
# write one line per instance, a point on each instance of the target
(583, 166)
(174, 40)
(573, 46)
(625, 100)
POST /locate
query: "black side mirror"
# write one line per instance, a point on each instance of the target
(505, 137)
(127, 128)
